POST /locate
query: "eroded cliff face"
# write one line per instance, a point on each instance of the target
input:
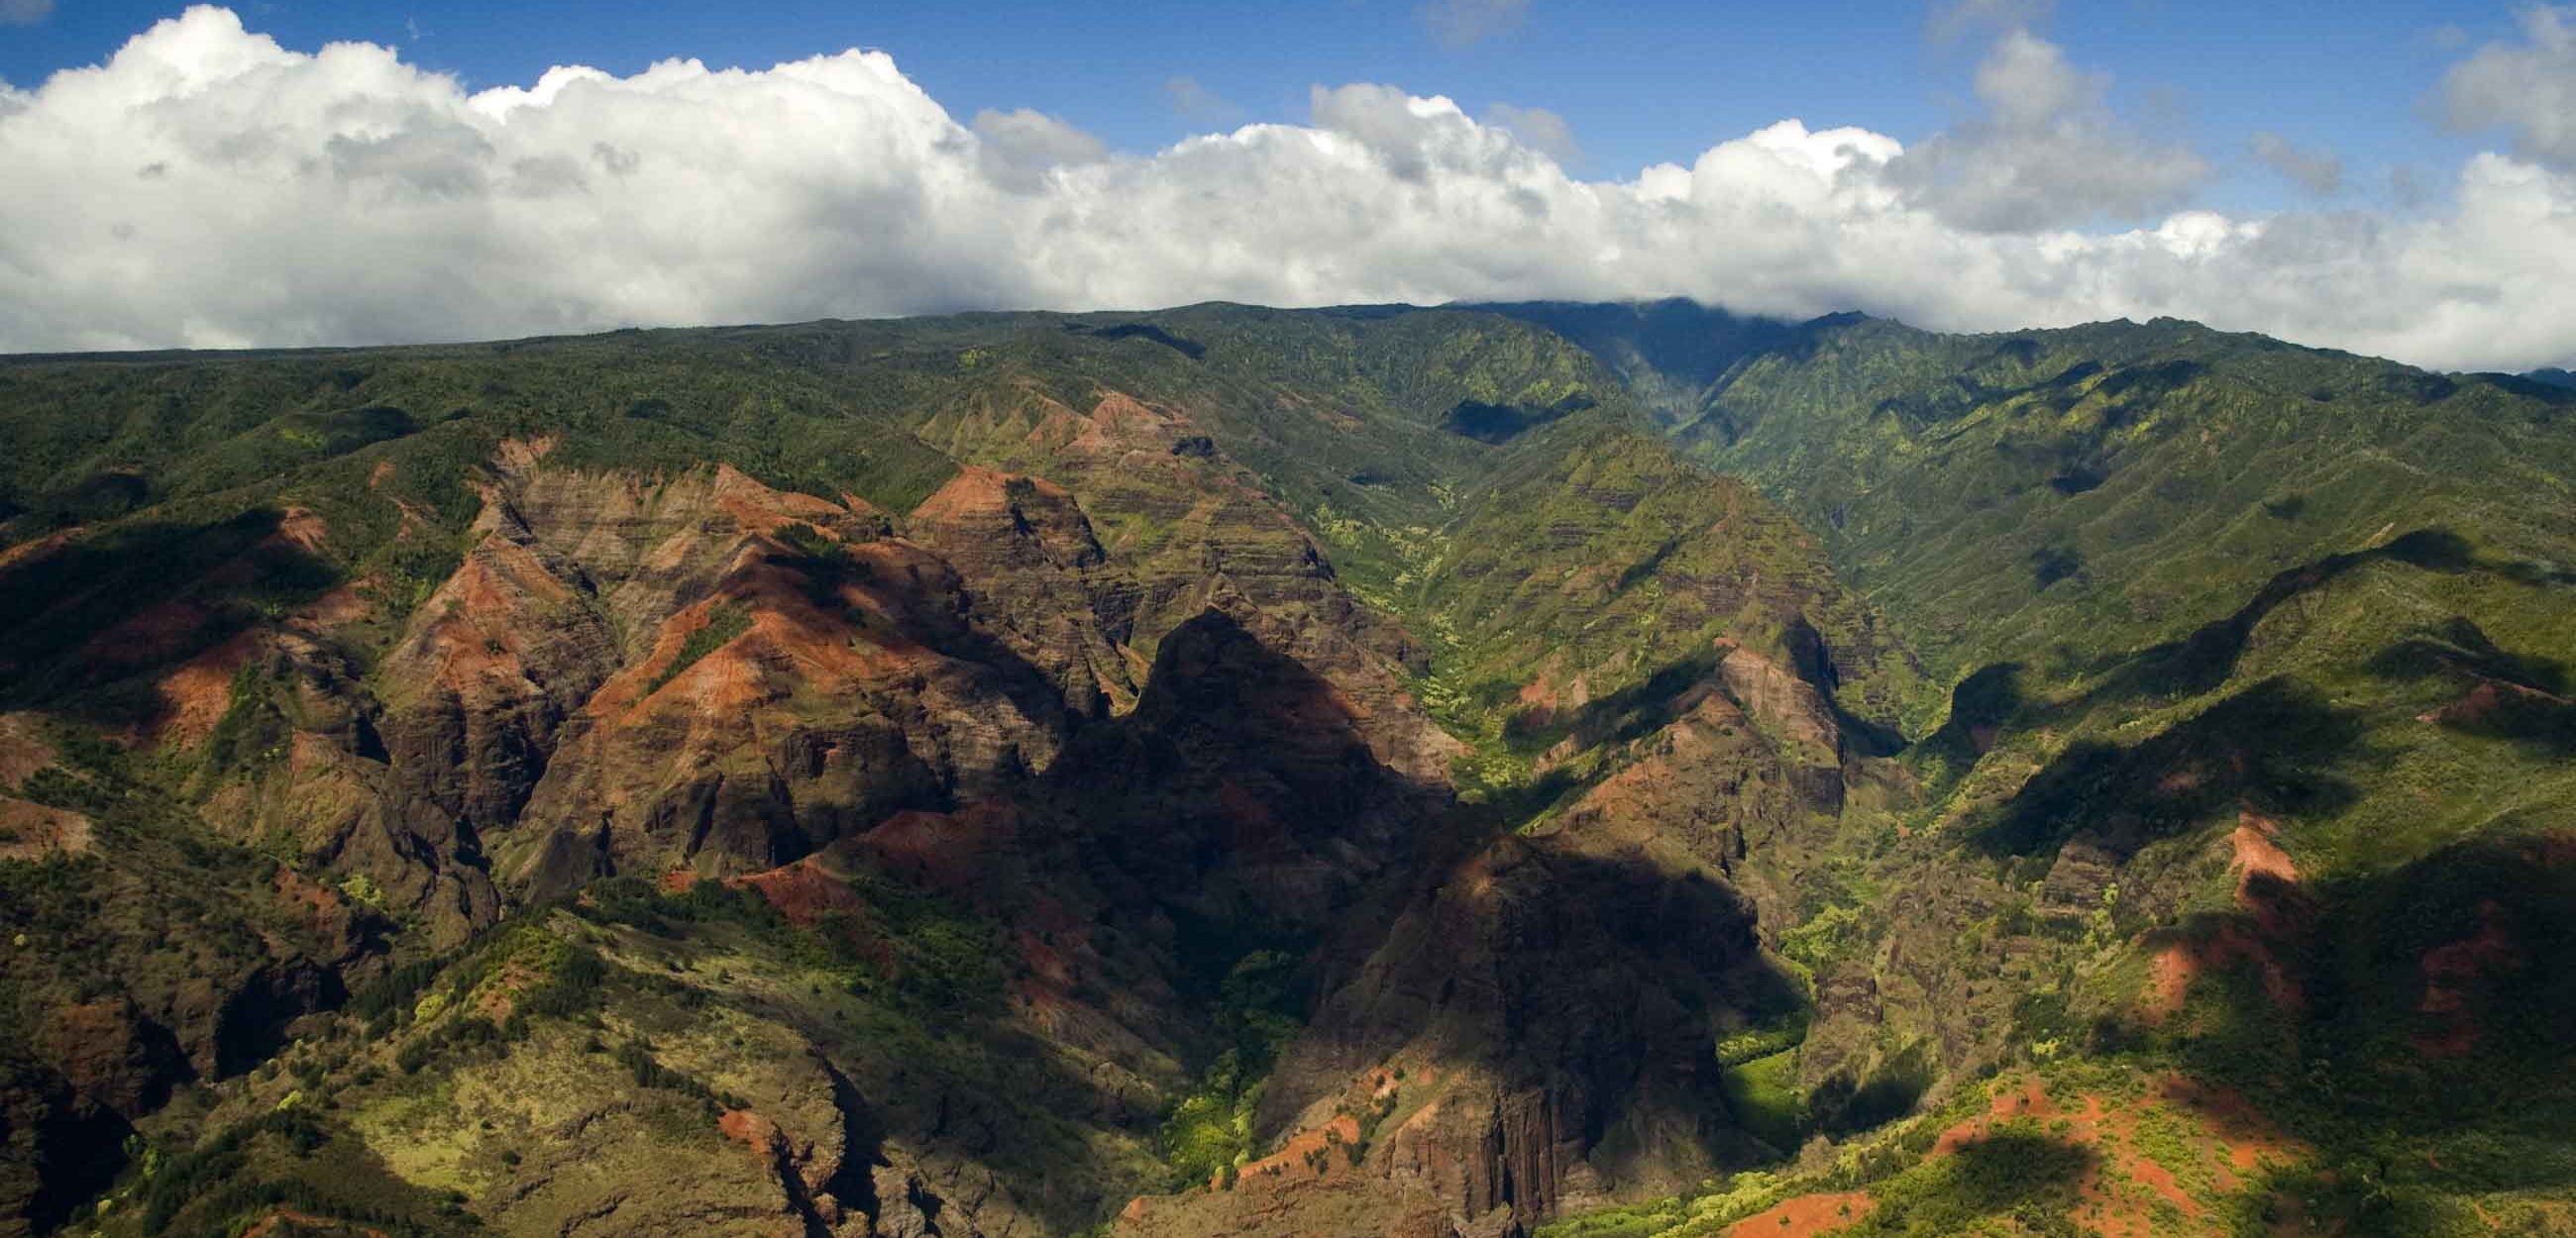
(1106, 705)
(1537, 1029)
(1266, 767)
(635, 674)
(1188, 530)
(1026, 550)
(639, 674)
(1570, 997)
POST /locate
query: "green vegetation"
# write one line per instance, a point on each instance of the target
(1762, 1095)
(285, 1159)
(2185, 580)
(2052, 498)
(2020, 1174)
(1209, 1131)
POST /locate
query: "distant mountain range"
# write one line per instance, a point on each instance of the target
(1559, 768)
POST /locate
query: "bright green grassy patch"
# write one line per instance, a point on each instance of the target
(1209, 1130)
(1764, 1097)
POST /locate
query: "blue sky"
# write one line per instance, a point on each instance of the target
(1638, 81)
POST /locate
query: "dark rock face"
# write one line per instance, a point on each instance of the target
(112, 1056)
(253, 1024)
(1556, 997)
(1242, 783)
(1026, 554)
(1565, 1004)
(501, 655)
(61, 1148)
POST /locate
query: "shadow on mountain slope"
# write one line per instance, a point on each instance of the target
(2411, 1023)
(1189, 348)
(1241, 785)
(1536, 1031)
(81, 613)
(2505, 695)
(1560, 996)
(2204, 659)
(2274, 746)
(1638, 709)
(2023, 1178)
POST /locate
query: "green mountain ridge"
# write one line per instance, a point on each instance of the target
(1609, 769)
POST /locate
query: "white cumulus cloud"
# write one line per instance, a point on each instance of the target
(1020, 147)
(2528, 88)
(1539, 129)
(206, 187)
(2047, 151)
